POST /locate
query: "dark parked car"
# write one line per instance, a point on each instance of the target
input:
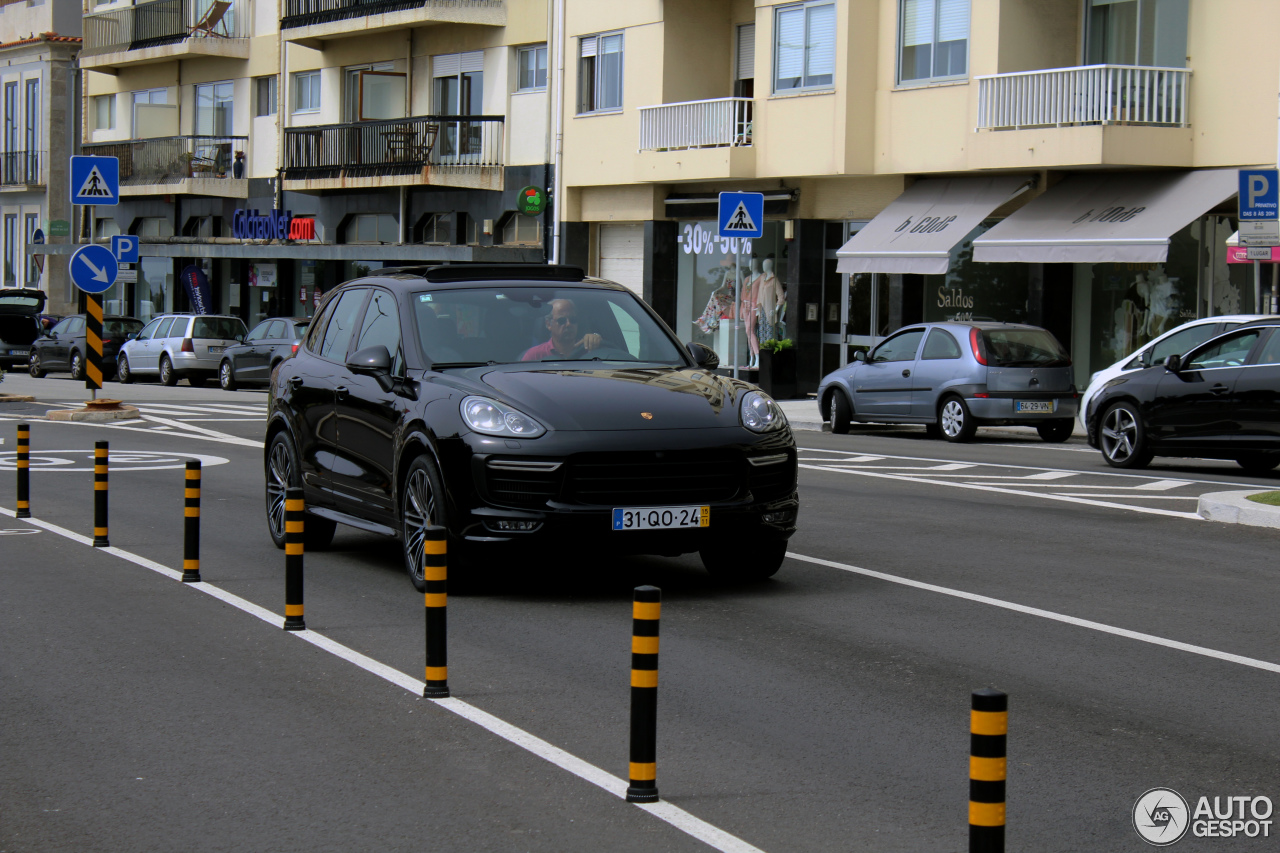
(1221, 400)
(526, 409)
(20, 309)
(65, 347)
(267, 344)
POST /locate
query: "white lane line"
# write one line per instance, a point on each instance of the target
(209, 434)
(677, 817)
(1046, 614)
(1133, 496)
(218, 420)
(1049, 497)
(1160, 485)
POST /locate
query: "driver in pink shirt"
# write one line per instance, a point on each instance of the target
(562, 322)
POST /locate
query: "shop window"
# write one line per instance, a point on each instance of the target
(152, 226)
(473, 231)
(371, 228)
(600, 72)
(933, 40)
(532, 62)
(804, 48)
(205, 227)
(521, 229)
(439, 228)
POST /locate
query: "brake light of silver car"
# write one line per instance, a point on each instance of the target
(188, 345)
(975, 341)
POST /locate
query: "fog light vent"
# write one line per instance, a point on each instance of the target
(781, 516)
(508, 525)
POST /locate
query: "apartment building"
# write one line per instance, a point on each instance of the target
(39, 40)
(1068, 163)
(284, 146)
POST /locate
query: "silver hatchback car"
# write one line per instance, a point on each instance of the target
(951, 377)
(179, 346)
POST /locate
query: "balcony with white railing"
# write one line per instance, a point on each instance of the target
(1088, 95)
(695, 140)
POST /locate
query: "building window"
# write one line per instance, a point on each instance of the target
(522, 229)
(104, 112)
(265, 91)
(11, 116)
(306, 92)
(933, 40)
(1136, 32)
(153, 226)
(149, 123)
(532, 62)
(10, 249)
(214, 105)
(804, 47)
(600, 72)
(372, 228)
(33, 271)
(372, 92)
(439, 228)
(31, 110)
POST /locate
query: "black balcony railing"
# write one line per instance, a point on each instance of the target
(301, 13)
(22, 168)
(171, 159)
(392, 147)
(159, 22)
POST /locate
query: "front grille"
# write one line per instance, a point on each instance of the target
(772, 481)
(653, 479)
(525, 485)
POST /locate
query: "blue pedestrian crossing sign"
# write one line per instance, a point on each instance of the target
(94, 268)
(125, 248)
(95, 180)
(742, 215)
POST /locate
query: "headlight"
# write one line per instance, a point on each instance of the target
(761, 414)
(493, 418)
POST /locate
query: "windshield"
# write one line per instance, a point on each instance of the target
(120, 328)
(1023, 348)
(222, 328)
(504, 325)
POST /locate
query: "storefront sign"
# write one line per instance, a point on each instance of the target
(262, 275)
(302, 294)
(1249, 254)
(531, 201)
(274, 225)
(59, 228)
(696, 240)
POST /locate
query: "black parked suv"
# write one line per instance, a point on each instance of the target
(1220, 400)
(20, 324)
(530, 408)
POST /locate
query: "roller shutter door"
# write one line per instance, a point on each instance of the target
(622, 255)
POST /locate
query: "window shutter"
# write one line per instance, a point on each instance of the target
(473, 61)
(790, 43)
(917, 22)
(587, 44)
(822, 40)
(746, 52)
(953, 20)
(445, 65)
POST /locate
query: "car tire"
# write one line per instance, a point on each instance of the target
(955, 421)
(421, 505)
(197, 381)
(1122, 438)
(77, 366)
(167, 375)
(740, 562)
(1260, 462)
(122, 370)
(33, 366)
(226, 376)
(841, 413)
(1056, 431)
(283, 473)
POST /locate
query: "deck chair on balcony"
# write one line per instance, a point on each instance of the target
(212, 19)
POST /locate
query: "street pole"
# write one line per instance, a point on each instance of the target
(737, 309)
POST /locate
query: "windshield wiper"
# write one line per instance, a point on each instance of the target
(446, 365)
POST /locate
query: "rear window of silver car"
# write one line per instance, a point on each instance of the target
(221, 328)
(1023, 348)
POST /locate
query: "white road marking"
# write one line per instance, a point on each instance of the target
(1160, 485)
(218, 420)
(120, 460)
(1134, 496)
(167, 427)
(1046, 614)
(677, 817)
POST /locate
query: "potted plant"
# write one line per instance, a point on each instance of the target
(778, 368)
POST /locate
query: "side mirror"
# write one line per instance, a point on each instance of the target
(374, 360)
(132, 336)
(1173, 363)
(240, 339)
(859, 355)
(703, 355)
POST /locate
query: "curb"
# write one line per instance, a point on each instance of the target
(88, 416)
(16, 398)
(1236, 508)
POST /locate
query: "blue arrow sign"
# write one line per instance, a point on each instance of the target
(95, 180)
(93, 268)
(742, 215)
(1259, 194)
(125, 248)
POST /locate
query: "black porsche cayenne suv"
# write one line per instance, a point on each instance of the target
(523, 407)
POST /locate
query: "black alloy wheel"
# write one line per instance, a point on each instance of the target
(77, 366)
(841, 413)
(1056, 431)
(1260, 462)
(954, 420)
(421, 506)
(123, 376)
(33, 366)
(738, 562)
(167, 376)
(1123, 439)
(226, 376)
(283, 473)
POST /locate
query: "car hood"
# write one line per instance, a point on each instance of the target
(611, 398)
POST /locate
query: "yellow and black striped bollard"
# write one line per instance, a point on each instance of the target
(24, 471)
(93, 342)
(294, 509)
(100, 464)
(435, 571)
(645, 611)
(191, 524)
(988, 729)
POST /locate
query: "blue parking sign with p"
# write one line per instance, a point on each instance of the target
(125, 248)
(1259, 194)
(95, 180)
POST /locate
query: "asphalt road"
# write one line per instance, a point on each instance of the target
(826, 709)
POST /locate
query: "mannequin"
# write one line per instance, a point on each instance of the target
(750, 297)
(770, 301)
(720, 304)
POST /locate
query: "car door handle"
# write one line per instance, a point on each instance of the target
(340, 392)
(906, 373)
(1219, 389)
(295, 382)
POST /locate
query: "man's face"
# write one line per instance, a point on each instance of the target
(563, 324)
